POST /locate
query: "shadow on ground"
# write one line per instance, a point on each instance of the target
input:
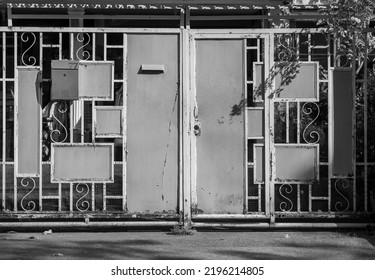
(204, 245)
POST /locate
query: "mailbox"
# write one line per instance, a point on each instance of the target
(87, 80)
(64, 80)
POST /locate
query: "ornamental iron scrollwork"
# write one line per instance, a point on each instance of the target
(62, 108)
(344, 184)
(82, 205)
(288, 189)
(285, 50)
(82, 54)
(313, 134)
(30, 60)
(31, 205)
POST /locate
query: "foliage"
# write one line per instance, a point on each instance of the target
(346, 21)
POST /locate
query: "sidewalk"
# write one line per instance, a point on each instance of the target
(202, 245)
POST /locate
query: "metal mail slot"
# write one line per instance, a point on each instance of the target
(152, 68)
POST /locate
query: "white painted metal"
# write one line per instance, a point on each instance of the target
(186, 130)
(261, 109)
(193, 118)
(55, 146)
(16, 109)
(15, 187)
(187, 118)
(124, 112)
(256, 181)
(4, 133)
(269, 136)
(95, 133)
(365, 127)
(315, 147)
(315, 83)
(245, 127)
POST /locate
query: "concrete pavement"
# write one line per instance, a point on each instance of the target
(273, 245)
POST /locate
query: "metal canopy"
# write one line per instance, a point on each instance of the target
(165, 4)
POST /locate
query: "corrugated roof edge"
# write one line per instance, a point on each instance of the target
(145, 4)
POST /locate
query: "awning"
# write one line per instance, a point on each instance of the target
(167, 4)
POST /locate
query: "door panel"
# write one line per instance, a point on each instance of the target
(220, 145)
(152, 123)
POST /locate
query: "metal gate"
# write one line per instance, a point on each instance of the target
(246, 124)
(299, 122)
(90, 122)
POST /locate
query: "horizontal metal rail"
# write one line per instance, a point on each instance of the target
(117, 17)
(284, 225)
(260, 226)
(254, 17)
(90, 30)
(86, 224)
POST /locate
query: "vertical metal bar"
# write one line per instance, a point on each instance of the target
(298, 103)
(329, 108)
(71, 51)
(186, 140)
(93, 196)
(299, 121)
(14, 123)
(10, 20)
(269, 147)
(187, 18)
(259, 198)
(60, 197)
(71, 197)
(60, 46)
(71, 111)
(60, 185)
(246, 167)
(81, 104)
(180, 192)
(71, 43)
(182, 18)
(309, 46)
(94, 46)
(40, 126)
(310, 200)
(4, 121)
(105, 47)
(354, 133)
(193, 140)
(104, 197)
(124, 119)
(287, 121)
(93, 121)
(365, 126)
